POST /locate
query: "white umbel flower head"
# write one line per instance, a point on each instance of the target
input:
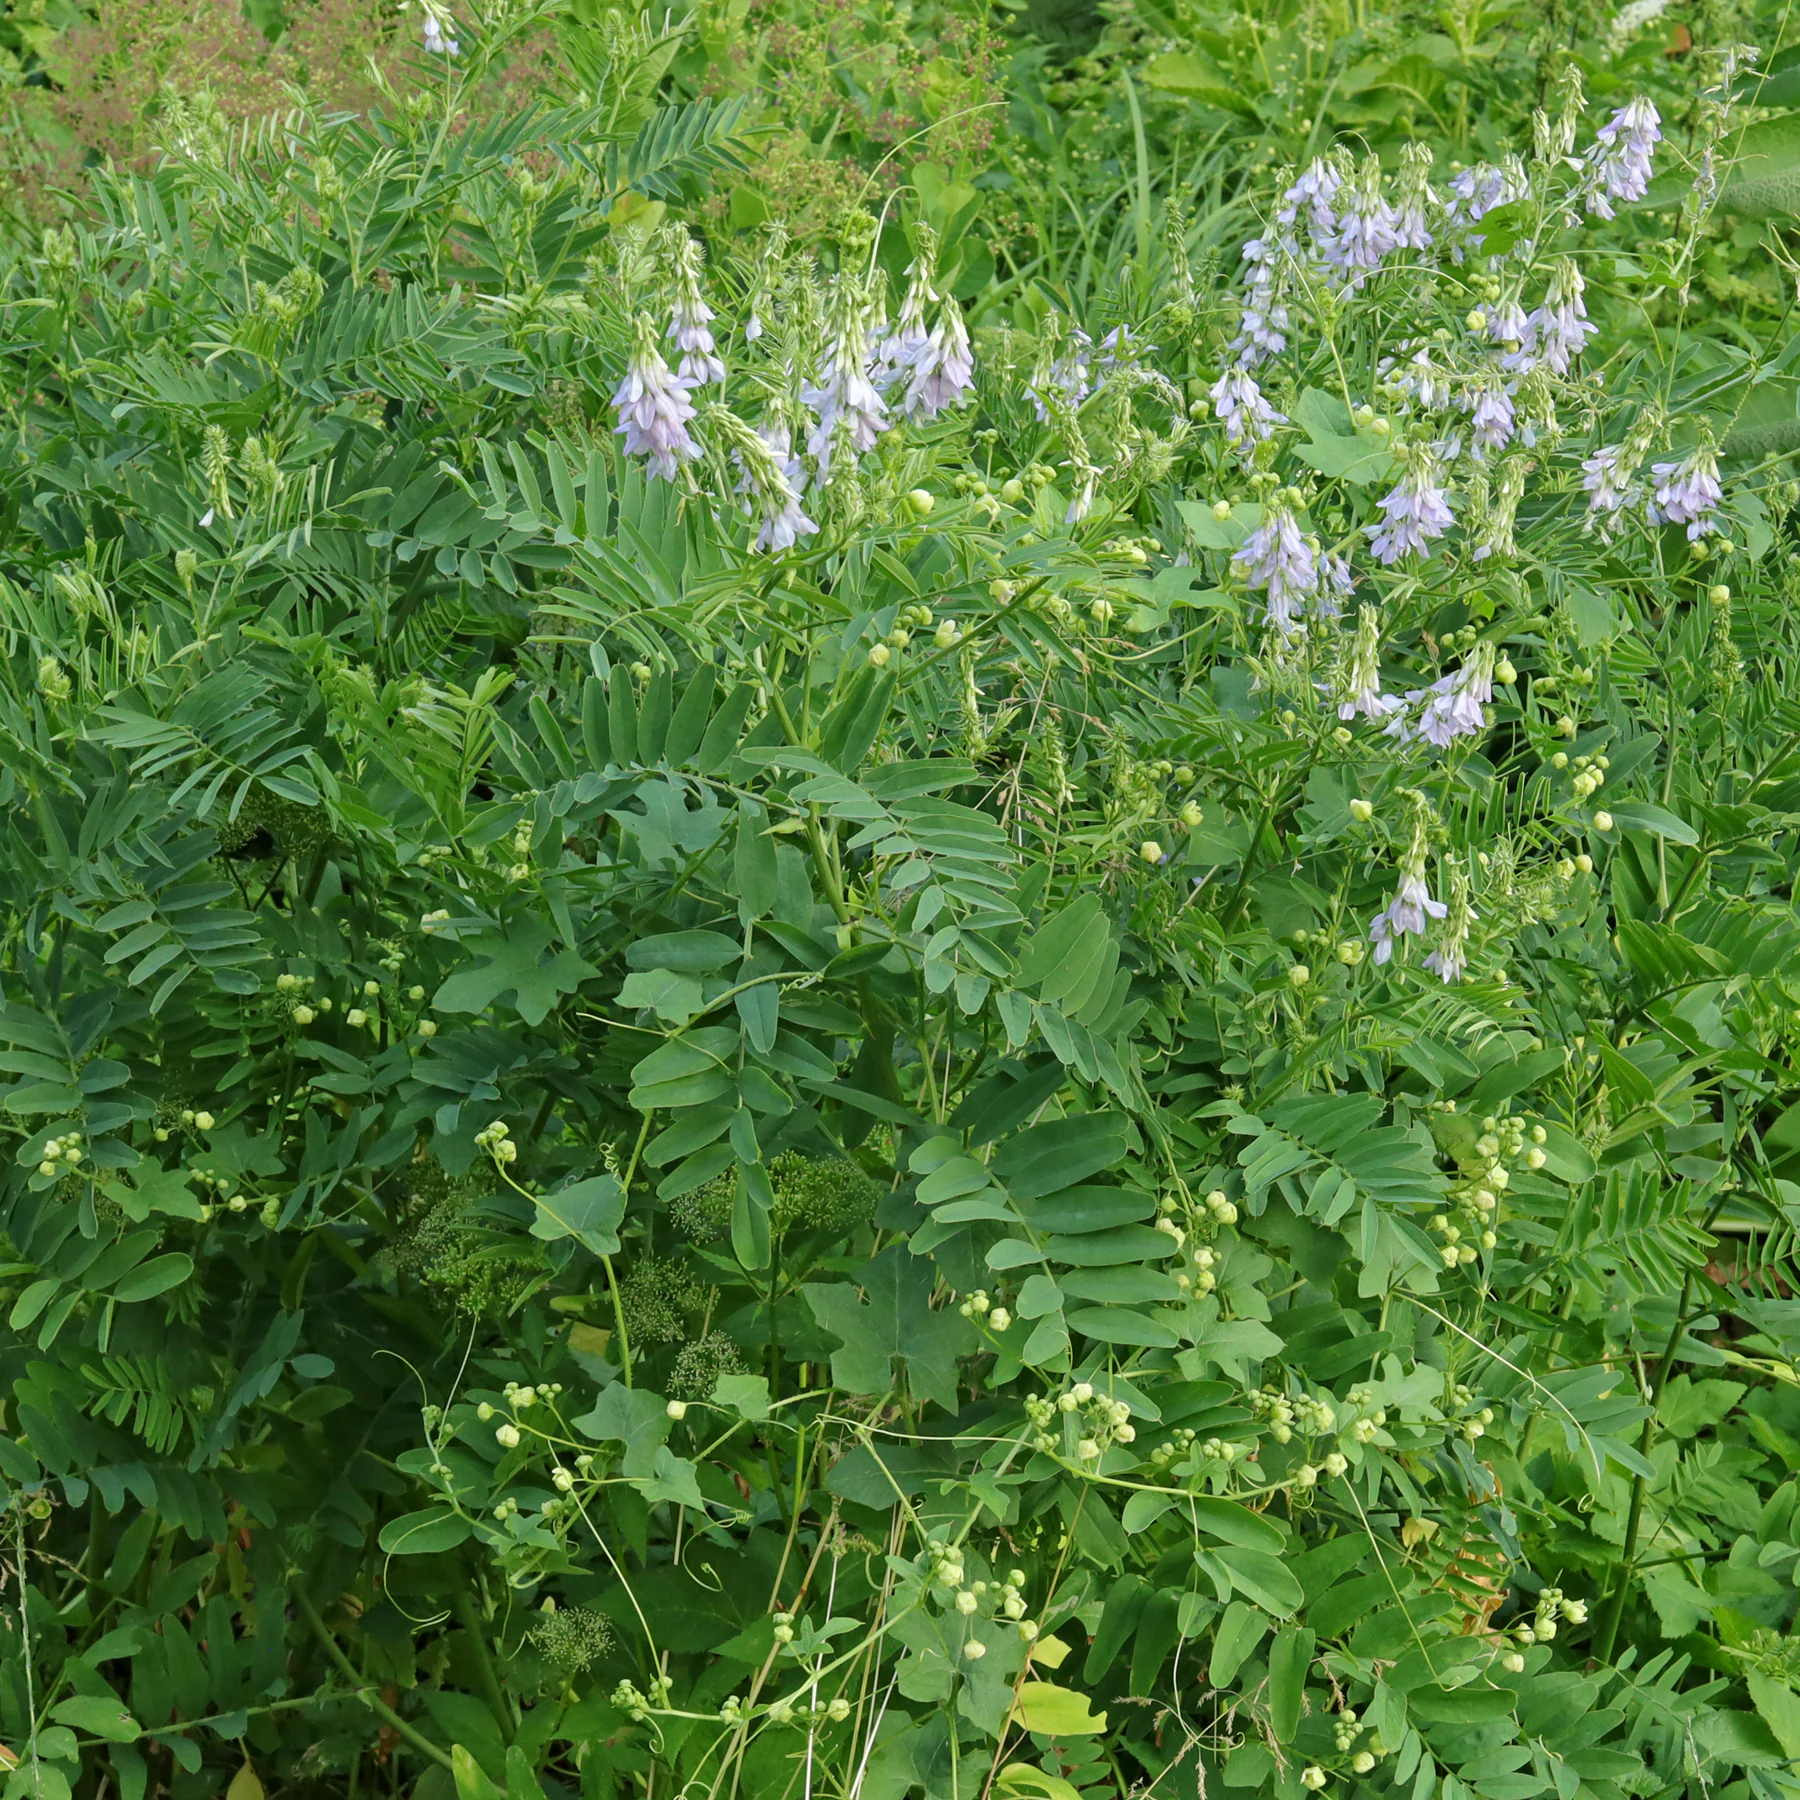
(653, 407)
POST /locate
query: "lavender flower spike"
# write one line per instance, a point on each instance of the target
(1361, 679)
(1413, 514)
(1688, 492)
(1450, 960)
(1560, 328)
(944, 371)
(1412, 904)
(1277, 559)
(1454, 702)
(1247, 417)
(438, 27)
(690, 318)
(1619, 162)
(848, 407)
(654, 407)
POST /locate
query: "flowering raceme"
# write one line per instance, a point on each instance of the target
(654, 408)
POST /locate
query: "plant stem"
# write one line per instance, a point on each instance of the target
(1607, 1631)
(367, 1695)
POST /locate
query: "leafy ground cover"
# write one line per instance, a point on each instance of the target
(952, 964)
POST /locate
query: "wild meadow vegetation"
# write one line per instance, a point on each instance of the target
(898, 901)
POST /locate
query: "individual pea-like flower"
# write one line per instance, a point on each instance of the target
(653, 407)
(1687, 491)
(1277, 559)
(1359, 685)
(1414, 513)
(1618, 164)
(1412, 904)
(690, 318)
(849, 409)
(1247, 417)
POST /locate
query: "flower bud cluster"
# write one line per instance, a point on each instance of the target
(980, 1306)
(1097, 1422)
(497, 1142)
(62, 1155)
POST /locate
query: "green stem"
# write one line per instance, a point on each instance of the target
(367, 1695)
(474, 1625)
(1606, 1631)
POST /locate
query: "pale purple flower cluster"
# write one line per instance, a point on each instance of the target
(1619, 162)
(1360, 687)
(1423, 381)
(1064, 381)
(775, 486)
(1314, 194)
(1452, 704)
(438, 41)
(1450, 961)
(1368, 228)
(1247, 417)
(1277, 559)
(1415, 202)
(654, 408)
(1405, 915)
(1687, 492)
(1488, 400)
(1608, 481)
(1558, 331)
(690, 318)
(845, 400)
(943, 372)
(1263, 318)
(1476, 192)
(1413, 514)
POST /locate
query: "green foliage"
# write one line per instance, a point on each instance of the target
(641, 1165)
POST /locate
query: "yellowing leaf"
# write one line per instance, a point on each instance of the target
(1052, 1652)
(245, 1785)
(1022, 1778)
(1056, 1711)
